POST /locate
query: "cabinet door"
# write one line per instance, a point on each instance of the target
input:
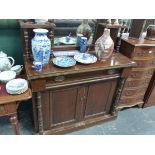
(61, 106)
(99, 98)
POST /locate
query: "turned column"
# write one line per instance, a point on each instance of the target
(40, 117)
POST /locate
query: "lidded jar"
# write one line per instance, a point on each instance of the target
(41, 46)
(150, 32)
(104, 46)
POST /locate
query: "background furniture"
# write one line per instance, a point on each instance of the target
(143, 53)
(137, 28)
(9, 105)
(149, 98)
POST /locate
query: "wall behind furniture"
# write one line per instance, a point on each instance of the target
(10, 39)
(11, 43)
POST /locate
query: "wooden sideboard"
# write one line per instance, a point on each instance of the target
(143, 53)
(68, 99)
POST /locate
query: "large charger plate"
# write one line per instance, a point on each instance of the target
(64, 61)
(85, 58)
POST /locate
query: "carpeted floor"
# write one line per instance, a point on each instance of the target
(132, 121)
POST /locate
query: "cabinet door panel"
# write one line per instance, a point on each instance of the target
(63, 105)
(100, 96)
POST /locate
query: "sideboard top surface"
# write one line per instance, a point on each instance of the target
(139, 42)
(116, 61)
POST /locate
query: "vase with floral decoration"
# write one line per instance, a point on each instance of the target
(104, 46)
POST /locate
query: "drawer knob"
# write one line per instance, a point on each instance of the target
(59, 78)
(111, 71)
(150, 52)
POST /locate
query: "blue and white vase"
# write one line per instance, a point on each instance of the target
(41, 46)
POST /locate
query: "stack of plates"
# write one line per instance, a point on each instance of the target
(17, 86)
(6, 76)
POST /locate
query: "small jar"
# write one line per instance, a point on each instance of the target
(150, 32)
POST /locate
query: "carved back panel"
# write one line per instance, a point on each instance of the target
(27, 34)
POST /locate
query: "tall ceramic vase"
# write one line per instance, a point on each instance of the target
(104, 46)
(41, 46)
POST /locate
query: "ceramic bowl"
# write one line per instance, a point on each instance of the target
(6, 76)
(17, 86)
(17, 69)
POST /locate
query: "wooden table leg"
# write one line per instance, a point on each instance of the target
(14, 122)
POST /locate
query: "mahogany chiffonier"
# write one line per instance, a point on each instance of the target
(143, 53)
(68, 99)
(76, 97)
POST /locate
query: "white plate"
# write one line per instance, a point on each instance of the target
(70, 42)
(85, 58)
(6, 76)
(17, 86)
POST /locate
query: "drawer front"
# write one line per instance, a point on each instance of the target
(131, 100)
(63, 79)
(143, 63)
(135, 83)
(141, 73)
(6, 109)
(2, 110)
(131, 92)
(144, 52)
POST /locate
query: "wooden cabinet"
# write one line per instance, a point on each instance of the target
(143, 53)
(76, 97)
(63, 106)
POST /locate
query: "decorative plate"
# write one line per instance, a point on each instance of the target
(64, 61)
(65, 53)
(17, 86)
(85, 58)
(71, 41)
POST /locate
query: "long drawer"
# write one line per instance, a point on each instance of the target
(131, 92)
(144, 63)
(144, 52)
(143, 73)
(63, 79)
(131, 100)
(131, 83)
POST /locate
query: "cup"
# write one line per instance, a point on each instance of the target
(37, 66)
(17, 69)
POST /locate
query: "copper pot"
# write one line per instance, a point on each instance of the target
(150, 32)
